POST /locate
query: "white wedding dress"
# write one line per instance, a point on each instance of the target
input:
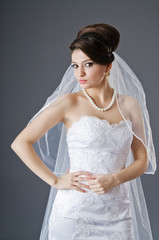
(99, 147)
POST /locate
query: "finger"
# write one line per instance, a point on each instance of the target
(101, 192)
(97, 191)
(82, 185)
(92, 182)
(80, 178)
(78, 189)
(68, 170)
(91, 177)
(82, 173)
(95, 187)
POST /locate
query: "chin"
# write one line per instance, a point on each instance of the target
(85, 87)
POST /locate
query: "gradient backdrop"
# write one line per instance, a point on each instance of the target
(34, 55)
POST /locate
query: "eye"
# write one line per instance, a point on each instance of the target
(89, 64)
(74, 65)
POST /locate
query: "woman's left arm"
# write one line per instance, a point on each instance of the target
(138, 167)
(102, 183)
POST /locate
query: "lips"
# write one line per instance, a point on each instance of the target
(82, 81)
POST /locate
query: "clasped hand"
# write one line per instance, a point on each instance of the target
(100, 183)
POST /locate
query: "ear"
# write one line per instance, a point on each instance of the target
(108, 67)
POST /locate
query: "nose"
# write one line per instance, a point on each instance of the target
(81, 72)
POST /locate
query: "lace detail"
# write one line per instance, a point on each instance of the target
(99, 147)
(97, 132)
(85, 227)
(97, 119)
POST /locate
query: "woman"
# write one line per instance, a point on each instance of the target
(105, 125)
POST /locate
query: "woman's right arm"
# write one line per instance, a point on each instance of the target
(23, 143)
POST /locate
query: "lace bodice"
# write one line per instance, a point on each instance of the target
(96, 145)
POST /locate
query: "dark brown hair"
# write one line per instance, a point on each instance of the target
(97, 41)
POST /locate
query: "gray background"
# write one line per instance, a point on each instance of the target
(34, 56)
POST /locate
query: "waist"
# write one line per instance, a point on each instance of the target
(97, 162)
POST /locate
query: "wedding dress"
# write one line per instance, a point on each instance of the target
(99, 147)
(95, 145)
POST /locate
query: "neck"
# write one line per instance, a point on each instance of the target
(100, 94)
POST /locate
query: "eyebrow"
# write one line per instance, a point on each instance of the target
(83, 61)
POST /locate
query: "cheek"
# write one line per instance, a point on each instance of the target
(75, 73)
(98, 74)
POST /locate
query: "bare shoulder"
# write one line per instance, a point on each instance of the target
(69, 102)
(129, 104)
(128, 101)
(65, 103)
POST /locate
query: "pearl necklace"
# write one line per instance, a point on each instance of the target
(98, 108)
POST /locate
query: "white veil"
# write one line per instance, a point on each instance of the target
(53, 150)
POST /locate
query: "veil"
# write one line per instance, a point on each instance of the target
(53, 150)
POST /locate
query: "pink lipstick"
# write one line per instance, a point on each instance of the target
(82, 81)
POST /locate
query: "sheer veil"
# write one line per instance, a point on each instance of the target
(52, 146)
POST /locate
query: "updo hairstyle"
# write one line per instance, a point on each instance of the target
(97, 41)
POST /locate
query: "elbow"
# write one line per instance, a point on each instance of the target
(145, 162)
(146, 165)
(17, 143)
(14, 145)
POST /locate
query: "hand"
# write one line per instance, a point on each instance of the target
(71, 181)
(101, 183)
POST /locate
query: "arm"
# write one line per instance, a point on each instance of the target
(140, 164)
(138, 167)
(102, 183)
(23, 143)
(23, 146)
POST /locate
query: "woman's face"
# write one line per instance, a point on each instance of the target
(86, 69)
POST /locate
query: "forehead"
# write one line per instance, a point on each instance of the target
(78, 56)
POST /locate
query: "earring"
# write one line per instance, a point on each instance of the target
(107, 73)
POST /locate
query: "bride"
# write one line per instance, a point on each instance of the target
(94, 160)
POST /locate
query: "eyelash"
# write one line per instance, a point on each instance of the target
(90, 63)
